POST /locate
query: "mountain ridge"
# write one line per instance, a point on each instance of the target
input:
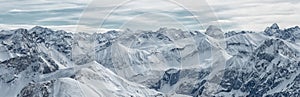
(166, 62)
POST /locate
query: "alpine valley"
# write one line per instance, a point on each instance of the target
(41, 62)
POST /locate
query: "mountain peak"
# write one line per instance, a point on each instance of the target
(38, 27)
(213, 27)
(272, 30)
(214, 31)
(275, 26)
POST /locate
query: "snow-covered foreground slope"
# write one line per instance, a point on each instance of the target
(168, 62)
(89, 80)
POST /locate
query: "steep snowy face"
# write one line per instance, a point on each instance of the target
(266, 71)
(104, 82)
(27, 55)
(28, 42)
(18, 71)
(155, 48)
(272, 30)
(59, 40)
(295, 30)
(260, 66)
(89, 80)
(277, 46)
(155, 59)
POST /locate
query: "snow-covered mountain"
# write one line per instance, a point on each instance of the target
(167, 62)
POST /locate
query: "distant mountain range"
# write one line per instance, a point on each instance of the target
(40, 62)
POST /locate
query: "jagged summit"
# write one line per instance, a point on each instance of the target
(290, 34)
(274, 29)
(39, 28)
(274, 26)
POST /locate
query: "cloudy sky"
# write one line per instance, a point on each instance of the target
(102, 15)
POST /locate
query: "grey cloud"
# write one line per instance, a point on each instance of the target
(256, 14)
(230, 14)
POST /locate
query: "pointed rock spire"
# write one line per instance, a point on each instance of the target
(275, 26)
(272, 30)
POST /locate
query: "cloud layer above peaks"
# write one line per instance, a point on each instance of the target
(151, 14)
